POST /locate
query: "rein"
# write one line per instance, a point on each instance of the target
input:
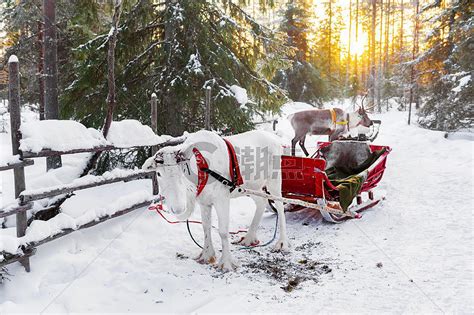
(159, 209)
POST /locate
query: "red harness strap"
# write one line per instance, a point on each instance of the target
(202, 176)
(234, 169)
(202, 165)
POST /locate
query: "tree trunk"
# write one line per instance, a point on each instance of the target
(387, 68)
(416, 50)
(380, 70)
(349, 57)
(412, 68)
(51, 105)
(402, 9)
(387, 36)
(330, 43)
(392, 38)
(111, 97)
(356, 70)
(40, 70)
(372, 56)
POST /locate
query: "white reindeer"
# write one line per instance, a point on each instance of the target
(178, 181)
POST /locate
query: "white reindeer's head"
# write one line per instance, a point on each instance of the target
(170, 165)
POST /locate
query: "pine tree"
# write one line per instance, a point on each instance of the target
(302, 80)
(448, 66)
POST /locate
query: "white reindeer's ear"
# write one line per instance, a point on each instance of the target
(153, 162)
(185, 152)
(158, 158)
(180, 156)
(149, 164)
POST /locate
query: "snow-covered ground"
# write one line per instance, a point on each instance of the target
(412, 253)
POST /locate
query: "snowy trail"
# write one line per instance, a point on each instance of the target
(420, 234)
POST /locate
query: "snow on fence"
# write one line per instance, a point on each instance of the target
(57, 137)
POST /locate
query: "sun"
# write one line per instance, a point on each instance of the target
(358, 47)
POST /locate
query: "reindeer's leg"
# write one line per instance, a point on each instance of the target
(222, 209)
(250, 238)
(293, 145)
(208, 255)
(274, 188)
(302, 145)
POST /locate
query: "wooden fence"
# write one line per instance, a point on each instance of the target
(24, 200)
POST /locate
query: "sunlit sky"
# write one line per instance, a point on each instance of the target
(359, 45)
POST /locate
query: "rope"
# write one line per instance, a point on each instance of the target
(159, 208)
(267, 243)
(191, 234)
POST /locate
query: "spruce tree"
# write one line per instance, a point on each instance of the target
(302, 79)
(447, 67)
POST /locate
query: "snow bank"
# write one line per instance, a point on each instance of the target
(58, 135)
(240, 94)
(65, 135)
(129, 133)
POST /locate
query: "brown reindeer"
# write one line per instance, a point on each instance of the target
(332, 122)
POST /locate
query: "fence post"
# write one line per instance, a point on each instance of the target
(154, 119)
(207, 112)
(15, 122)
(154, 183)
(154, 127)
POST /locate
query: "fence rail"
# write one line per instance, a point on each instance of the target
(48, 153)
(11, 166)
(10, 210)
(66, 189)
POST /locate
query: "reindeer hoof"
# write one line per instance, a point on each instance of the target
(239, 241)
(282, 246)
(205, 258)
(226, 266)
(247, 241)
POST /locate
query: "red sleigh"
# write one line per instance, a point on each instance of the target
(305, 184)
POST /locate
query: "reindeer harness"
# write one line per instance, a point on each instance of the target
(204, 171)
